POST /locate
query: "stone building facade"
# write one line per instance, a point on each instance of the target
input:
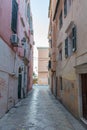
(16, 52)
(68, 34)
(43, 65)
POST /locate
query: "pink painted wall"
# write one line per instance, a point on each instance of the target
(31, 64)
(5, 20)
(6, 32)
(9, 61)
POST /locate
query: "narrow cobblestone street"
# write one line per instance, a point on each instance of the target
(39, 111)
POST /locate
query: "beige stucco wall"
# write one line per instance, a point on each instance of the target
(43, 66)
(69, 94)
(43, 78)
(66, 68)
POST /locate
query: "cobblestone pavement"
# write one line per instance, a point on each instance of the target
(39, 111)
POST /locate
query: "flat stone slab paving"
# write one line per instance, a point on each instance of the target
(40, 111)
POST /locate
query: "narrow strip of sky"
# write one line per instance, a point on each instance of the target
(40, 21)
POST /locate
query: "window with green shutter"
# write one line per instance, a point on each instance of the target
(65, 8)
(66, 47)
(28, 13)
(29, 18)
(14, 16)
(60, 21)
(74, 38)
(61, 83)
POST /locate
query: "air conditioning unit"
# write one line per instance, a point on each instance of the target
(14, 40)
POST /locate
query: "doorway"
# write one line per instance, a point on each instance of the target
(19, 82)
(56, 86)
(52, 83)
(84, 94)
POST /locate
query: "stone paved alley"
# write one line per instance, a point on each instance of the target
(39, 111)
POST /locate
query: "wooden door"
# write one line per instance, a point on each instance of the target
(19, 85)
(56, 85)
(19, 82)
(84, 94)
(52, 83)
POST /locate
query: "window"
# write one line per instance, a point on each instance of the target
(67, 5)
(65, 8)
(49, 64)
(69, 2)
(61, 85)
(25, 8)
(14, 16)
(74, 38)
(60, 20)
(29, 18)
(51, 43)
(28, 13)
(60, 54)
(70, 43)
(66, 47)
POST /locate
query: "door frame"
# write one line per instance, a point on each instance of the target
(80, 109)
(19, 82)
(56, 86)
(82, 96)
(80, 102)
(52, 83)
(80, 69)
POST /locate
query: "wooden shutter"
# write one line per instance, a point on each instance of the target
(74, 38)
(61, 84)
(60, 20)
(66, 47)
(65, 8)
(14, 16)
(28, 13)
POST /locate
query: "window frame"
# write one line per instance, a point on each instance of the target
(66, 47)
(74, 42)
(60, 54)
(61, 83)
(60, 20)
(65, 8)
(14, 18)
(67, 5)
